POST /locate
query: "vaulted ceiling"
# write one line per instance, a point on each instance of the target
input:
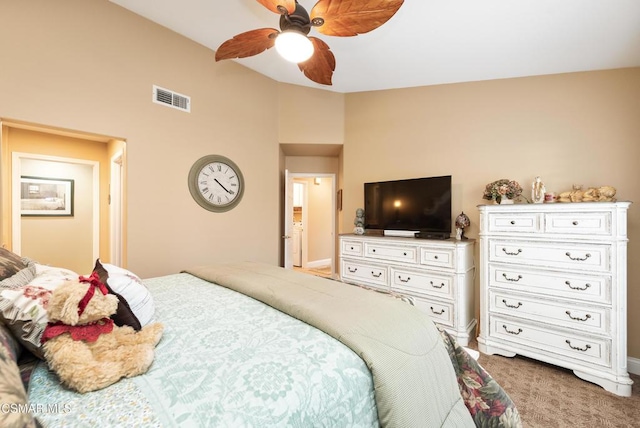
(431, 42)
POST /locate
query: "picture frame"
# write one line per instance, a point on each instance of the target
(46, 197)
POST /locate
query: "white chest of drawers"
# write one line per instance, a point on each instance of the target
(553, 286)
(437, 275)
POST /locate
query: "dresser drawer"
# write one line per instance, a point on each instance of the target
(440, 312)
(351, 248)
(422, 283)
(365, 273)
(596, 223)
(560, 313)
(438, 257)
(587, 288)
(592, 257)
(510, 222)
(404, 253)
(571, 345)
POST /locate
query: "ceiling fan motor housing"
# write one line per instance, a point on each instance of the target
(298, 21)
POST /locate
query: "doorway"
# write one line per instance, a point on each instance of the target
(82, 160)
(311, 222)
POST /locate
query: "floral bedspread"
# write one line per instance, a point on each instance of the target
(488, 403)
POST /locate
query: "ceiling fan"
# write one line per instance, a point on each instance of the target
(343, 18)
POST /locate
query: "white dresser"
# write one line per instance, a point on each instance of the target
(553, 287)
(438, 275)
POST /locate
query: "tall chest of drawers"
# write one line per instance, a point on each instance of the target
(553, 287)
(437, 275)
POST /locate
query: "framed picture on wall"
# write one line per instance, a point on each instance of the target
(41, 196)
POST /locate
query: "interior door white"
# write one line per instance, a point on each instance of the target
(288, 221)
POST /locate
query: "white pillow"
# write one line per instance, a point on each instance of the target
(128, 286)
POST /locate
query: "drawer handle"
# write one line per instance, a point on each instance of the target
(577, 348)
(351, 248)
(437, 313)
(376, 276)
(575, 223)
(404, 254)
(435, 257)
(511, 332)
(511, 306)
(586, 317)
(352, 270)
(404, 280)
(511, 254)
(436, 286)
(579, 259)
(373, 251)
(577, 288)
(512, 222)
(512, 279)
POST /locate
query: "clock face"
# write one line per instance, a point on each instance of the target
(216, 183)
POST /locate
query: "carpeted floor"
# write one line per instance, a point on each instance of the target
(549, 396)
(324, 271)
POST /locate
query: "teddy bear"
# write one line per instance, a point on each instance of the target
(82, 344)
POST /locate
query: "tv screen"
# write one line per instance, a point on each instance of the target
(413, 205)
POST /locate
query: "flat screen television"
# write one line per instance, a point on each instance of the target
(418, 207)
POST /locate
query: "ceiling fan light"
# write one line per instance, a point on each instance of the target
(294, 46)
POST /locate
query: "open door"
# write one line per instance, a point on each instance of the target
(288, 221)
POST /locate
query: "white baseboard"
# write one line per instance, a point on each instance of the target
(319, 263)
(633, 365)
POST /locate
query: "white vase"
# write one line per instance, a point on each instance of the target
(506, 201)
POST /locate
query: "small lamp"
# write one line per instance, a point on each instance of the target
(294, 46)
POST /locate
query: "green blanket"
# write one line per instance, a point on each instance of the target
(415, 383)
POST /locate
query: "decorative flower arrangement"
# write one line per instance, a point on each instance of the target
(504, 188)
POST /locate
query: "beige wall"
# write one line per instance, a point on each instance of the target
(320, 220)
(90, 66)
(62, 241)
(310, 116)
(579, 128)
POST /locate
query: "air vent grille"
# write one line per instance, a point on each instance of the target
(171, 99)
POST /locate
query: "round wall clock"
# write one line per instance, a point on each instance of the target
(216, 183)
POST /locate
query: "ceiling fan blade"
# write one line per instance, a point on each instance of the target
(352, 17)
(321, 65)
(272, 5)
(247, 44)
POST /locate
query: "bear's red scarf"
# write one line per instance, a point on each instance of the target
(87, 332)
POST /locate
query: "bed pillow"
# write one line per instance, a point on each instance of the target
(23, 307)
(22, 277)
(12, 391)
(10, 264)
(135, 307)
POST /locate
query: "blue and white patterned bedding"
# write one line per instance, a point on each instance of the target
(225, 360)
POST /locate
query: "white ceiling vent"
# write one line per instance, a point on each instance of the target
(171, 99)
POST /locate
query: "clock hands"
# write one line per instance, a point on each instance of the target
(225, 189)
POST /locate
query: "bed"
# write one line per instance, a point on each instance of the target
(253, 345)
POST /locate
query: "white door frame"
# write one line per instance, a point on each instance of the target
(115, 208)
(16, 223)
(288, 219)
